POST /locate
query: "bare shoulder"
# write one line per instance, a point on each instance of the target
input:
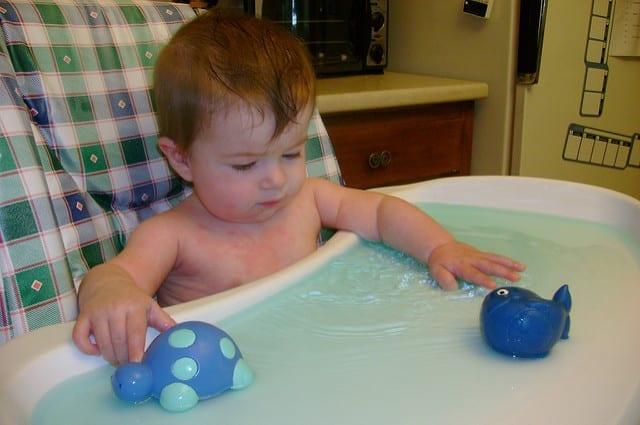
(164, 226)
(151, 250)
(320, 182)
(327, 191)
(157, 221)
(323, 187)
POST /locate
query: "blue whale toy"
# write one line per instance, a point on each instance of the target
(517, 322)
(187, 363)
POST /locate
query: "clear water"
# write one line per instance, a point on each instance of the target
(370, 339)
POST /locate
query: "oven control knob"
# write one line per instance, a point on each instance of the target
(376, 53)
(377, 21)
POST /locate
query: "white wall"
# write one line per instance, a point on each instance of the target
(435, 37)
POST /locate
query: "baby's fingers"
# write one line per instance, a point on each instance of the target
(118, 330)
(159, 319)
(505, 261)
(477, 276)
(103, 340)
(81, 337)
(446, 280)
(497, 269)
(136, 335)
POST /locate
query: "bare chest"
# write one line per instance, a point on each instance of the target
(211, 261)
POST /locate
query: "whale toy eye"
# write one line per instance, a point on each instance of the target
(502, 292)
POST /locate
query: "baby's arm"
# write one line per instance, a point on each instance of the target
(399, 224)
(115, 299)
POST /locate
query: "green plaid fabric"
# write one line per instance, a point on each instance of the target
(79, 166)
(82, 168)
(320, 158)
(37, 286)
(84, 69)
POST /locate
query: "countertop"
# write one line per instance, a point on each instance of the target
(392, 89)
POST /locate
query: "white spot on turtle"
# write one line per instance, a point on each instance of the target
(184, 368)
(182, 338)
(228, 348)
(178, 397)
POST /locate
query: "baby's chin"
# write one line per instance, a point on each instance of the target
(259, 214)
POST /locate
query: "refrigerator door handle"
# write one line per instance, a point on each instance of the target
(530, 35)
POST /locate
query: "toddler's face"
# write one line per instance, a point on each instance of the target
(239, 173)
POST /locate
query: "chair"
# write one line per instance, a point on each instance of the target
(79, 168)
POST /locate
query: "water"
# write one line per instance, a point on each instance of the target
(370, 338)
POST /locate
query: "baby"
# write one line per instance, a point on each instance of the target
(234, 96)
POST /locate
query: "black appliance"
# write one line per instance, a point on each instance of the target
(343, 36)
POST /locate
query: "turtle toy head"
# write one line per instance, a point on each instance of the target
(132, 382)
(187, 363)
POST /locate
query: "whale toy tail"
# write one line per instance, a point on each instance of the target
(563, 297)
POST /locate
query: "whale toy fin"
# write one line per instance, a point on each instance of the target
(563, 297)
(567, 325)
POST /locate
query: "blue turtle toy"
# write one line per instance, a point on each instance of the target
(187, 363)
(517, 322)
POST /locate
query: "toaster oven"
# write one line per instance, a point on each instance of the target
(343, 36)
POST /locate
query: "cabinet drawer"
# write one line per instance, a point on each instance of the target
(403, 145)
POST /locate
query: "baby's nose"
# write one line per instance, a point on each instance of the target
(275, 176)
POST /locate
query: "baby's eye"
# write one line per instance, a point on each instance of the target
(292, 155)
(243, 167)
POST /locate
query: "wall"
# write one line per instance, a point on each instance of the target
(435, 37)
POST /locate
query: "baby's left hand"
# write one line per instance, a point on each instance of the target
(456, 259)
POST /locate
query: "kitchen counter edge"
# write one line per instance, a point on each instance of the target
(393, 89)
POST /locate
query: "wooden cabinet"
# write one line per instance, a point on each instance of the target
(402, 145)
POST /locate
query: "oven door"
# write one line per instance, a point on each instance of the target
(333, 30)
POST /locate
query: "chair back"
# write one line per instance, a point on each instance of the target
(79, 165)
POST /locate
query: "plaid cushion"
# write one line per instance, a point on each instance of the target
(84, 69)
(79, 166)
(87, 164)
(320, 158)
(37, 287)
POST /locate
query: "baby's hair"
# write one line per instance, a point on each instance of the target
(221, 58)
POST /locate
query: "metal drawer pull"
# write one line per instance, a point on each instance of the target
(377, 159)
(374, 160)
(385, 158)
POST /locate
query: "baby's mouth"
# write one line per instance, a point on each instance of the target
(271, 203)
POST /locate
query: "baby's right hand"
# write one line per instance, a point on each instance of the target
(116, 312)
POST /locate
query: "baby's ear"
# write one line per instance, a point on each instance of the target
(177, 157)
